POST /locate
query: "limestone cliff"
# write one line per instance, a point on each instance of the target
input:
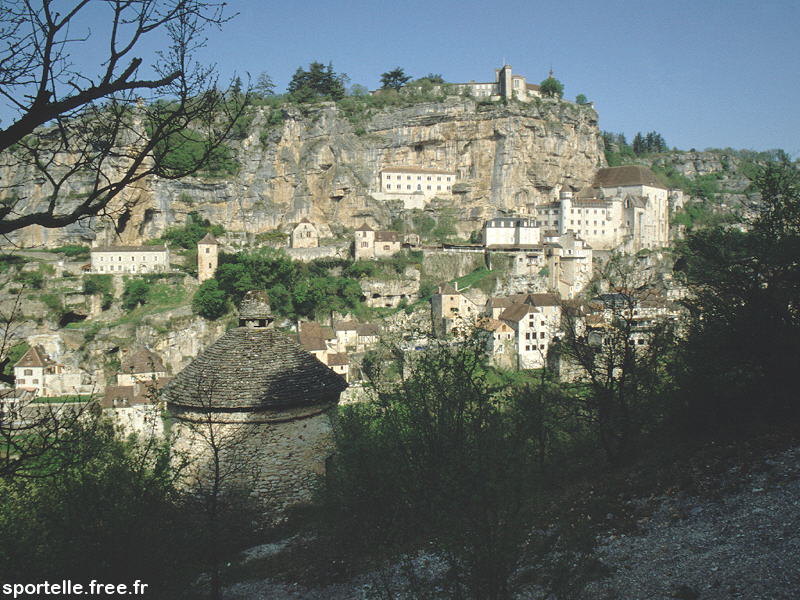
(316, 163)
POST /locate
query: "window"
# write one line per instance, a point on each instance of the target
(28, 372)
(542, 334)
(207, 250)
(408, 177)
(209, 265)
(388, 186)
(386, 246)
(448, 179)
(528, 348)
(429, 178)
(448, 187)
(408, 187)
(429, 187)
(21, 381)
(438, 179)
(364, 244)
(388, 177)
(438, 187)
(35, 381)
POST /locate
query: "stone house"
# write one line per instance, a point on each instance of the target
(304, 235)
(131, 260)
(450, 308)
(624, 206)
(37, 373)
(207, 257)
(510, 231)
(415, 186)
(371, 244)
(141, 365)
(270, 405)
(535, 320)
(500, 343)
(506, 85)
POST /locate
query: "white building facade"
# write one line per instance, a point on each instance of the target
(130, 260)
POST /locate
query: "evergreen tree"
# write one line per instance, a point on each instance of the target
(319, 81)
(394, 79)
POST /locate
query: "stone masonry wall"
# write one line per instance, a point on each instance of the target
(277, 457)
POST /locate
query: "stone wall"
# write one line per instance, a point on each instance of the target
(276, 457)
(309, 254)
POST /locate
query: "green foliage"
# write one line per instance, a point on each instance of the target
(450, 458)
(113, 499)
(188, 150)
(134, 293)
(7, 261)
(295, 289)
(744, 332)
(100, 284)
(551, 88)
(72, 251)
(649, 143)
(394, 79)
(210, 301)
(193, 231)
(581, 99)
(319, 82)
(31, 279)
(273, 236)
(617, 150)
(264, 86)
(54, 303)
(13, 355)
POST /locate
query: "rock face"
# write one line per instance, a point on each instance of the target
(320, 165)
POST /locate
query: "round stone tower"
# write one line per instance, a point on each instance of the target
(260, 403)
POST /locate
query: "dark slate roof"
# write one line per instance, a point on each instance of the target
(517, 312)
(546, 299)
(129, 249)
(255, 305)
(345, 325)
(254, 368)
(142, 361)
(387, 236)
(626, 175)
(367, 330)
(338, 358)
(365, 227)
(208, 239)
(34, 357)
(447, 289)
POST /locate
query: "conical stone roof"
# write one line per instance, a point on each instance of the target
(254, 368)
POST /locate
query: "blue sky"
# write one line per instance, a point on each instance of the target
(703, 73)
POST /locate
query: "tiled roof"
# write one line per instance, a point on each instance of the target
(447, 289)
(208, 239)
(417, 170)
(345, 325)
(34, 357)
(626, 175)
(516, 312)
(387, 236)
(545, 299)
(129, 249)
(255, 368)
(368, 329)
(337, 358)
(142, 361)
(365, 227)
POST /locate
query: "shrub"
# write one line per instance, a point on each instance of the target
(134, 293)
(210, 301)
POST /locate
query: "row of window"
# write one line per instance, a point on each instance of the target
(529, 348)
(125, 269)
(419, 187)
(145, 257)
(419, 177)
(33, 381)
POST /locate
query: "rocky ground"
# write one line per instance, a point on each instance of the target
(739, 540)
